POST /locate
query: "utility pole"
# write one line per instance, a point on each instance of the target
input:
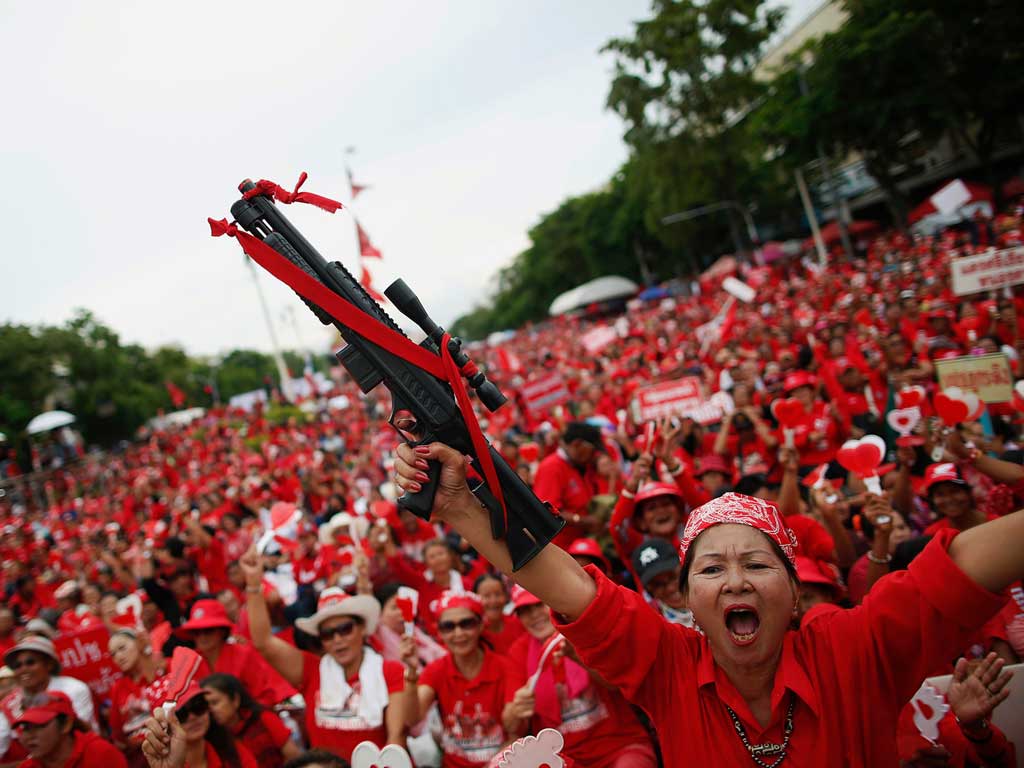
(282, 369)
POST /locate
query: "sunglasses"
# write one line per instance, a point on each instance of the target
(339, 630)
(197, 707)
(465, 624)
(15, 665)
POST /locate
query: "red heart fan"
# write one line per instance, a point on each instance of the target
(182, 671)
(529, 452)
(788, 412)
(863, 456)
(951, 410)
(404, 604)
(908, 397)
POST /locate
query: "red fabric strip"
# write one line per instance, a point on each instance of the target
(269, 188)
(475, 435)
(373, 330)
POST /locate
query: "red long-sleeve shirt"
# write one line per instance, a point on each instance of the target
(850, 671)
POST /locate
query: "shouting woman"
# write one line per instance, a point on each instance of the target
(748, 690)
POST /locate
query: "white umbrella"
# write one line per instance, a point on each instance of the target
(600, 289)
(2, 437)
(44, 422)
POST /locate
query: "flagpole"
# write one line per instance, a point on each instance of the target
(282, 369)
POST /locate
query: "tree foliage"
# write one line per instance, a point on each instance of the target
(111, 387)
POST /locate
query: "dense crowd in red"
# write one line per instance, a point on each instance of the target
(276, 550)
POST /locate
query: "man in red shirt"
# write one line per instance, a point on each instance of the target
(567, 479)
(52, 736)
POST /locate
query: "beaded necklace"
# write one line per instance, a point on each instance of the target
(766, 750)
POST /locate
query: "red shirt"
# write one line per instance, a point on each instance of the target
(245, 759)
(511, 630)
(131, 705)
(263, 736)
(567, 488)
(245, 663)
(848, 673)
(471, 709)
(90, 751)
(341, 732)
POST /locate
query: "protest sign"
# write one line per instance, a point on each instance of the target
(988, 376)
(598, 338)
(84, 656)
(544, 393)
(951, 197)
(739, 289)
(989, 271)
(682, 397)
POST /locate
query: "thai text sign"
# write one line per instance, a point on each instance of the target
(545, 393)
(83, 655)
(682, 397)
(988, 376)
(995, 269)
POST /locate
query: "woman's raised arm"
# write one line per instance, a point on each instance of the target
(552, 575)
(992, 554)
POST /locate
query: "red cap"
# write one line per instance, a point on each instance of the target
(945, 472)
(521, 598)
(653, 490)
(584, 547)
(207, 614)
(712, 462)
(55, 703)
(798, 379)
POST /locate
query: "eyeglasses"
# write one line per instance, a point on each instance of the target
(338, 630)
(196, 707)
(30, 661)
(465, 624)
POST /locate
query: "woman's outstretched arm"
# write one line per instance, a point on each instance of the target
(552, 575)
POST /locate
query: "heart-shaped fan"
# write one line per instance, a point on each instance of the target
(908, 397)
(903, 420)
(862, 457)
(369, 755)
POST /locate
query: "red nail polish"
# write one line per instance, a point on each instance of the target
(415, 487)
(423, 477)
(421, 464)
(422, 450)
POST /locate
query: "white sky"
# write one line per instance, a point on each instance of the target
(127, 124)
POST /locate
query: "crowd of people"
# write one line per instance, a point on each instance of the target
(721, 593)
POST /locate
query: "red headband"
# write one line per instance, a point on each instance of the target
(742, 510)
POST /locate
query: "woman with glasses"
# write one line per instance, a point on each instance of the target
(472, 685)
(191, 737)
(261, 730)
(352, 694)
(36, 669)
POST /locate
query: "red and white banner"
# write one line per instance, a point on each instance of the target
(598, 338)
(995, 269)
(544, 393)
(83, 655)
(366, 248)
(682, 397)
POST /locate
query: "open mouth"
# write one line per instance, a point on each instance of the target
(742, 622)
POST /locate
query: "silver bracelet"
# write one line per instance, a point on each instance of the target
(879, 560)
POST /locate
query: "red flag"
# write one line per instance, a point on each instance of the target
(366, 280)
(177, 396)
(356, 188)
(366, 249)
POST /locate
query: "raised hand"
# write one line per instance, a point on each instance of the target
(252, 567)
(452, 492)
(974, 694)
(641, 472)
(163, 742)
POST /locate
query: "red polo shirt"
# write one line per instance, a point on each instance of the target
(849, 672)
(90, 751)
(567, 488)
(471, 709)
(261, 680)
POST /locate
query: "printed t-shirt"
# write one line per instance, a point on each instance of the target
(340, 732)
(471, 709)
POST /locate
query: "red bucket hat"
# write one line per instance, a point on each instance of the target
(742, 510)
(653, 490)
(206, 614)
(712, 462)
(798, 379)
(521, 597)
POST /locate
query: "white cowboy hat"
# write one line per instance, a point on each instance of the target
(342, 520)
(335, 601)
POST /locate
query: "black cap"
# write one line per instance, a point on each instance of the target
(653, 557)
(581, 430)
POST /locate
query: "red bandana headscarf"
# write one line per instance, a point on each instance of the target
(742, 510)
